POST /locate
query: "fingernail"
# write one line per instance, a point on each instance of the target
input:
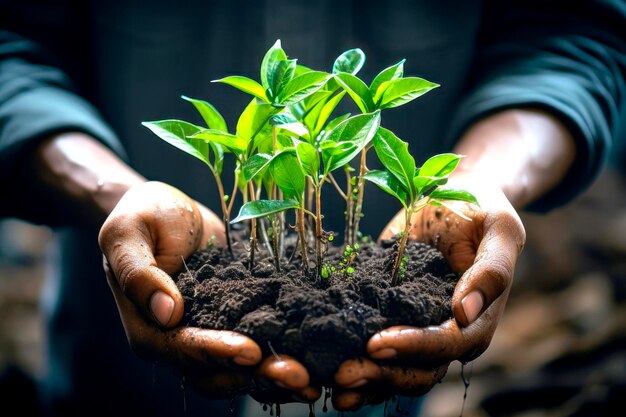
(472, 305)
(386, 353)
(162, 307)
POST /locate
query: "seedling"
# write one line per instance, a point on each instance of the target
(413, 188)
(287, 146)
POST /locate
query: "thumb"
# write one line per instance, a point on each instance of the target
(146, 237)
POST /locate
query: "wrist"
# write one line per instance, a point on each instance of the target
(526, 153)
(86, 176)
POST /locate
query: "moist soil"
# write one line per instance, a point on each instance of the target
(320, 322)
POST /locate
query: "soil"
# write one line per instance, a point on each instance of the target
(319, 322)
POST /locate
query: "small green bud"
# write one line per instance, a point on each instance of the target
(350, 270)
(324, 272)
(357, 246)
(331, 238)
(226, 197)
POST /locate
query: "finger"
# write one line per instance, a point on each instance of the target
(432, 345)
(492, 272)
(147, 236)
(347, 400)
(354, 373)
(184, 347)
(285, 372)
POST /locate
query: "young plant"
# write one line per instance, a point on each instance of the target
(387, 90)
(413, 188)
(180, 134)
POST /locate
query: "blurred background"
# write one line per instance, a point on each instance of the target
(560, 349)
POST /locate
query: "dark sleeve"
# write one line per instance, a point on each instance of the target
(36, 101)
(564, 57)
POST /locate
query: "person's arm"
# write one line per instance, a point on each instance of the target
(61, 164)
(542, 109)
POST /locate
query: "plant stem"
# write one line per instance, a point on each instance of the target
(403, 240)
(252, 228)
(337, 187)
(302, 237)
(275, 242)
(347, 234)
(318, 227)
(225, 215)
(359, 200)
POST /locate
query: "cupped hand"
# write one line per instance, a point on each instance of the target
(144, 240)
(408, 360)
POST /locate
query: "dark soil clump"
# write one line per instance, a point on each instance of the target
(319, 322)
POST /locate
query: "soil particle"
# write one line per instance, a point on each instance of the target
(319, 322)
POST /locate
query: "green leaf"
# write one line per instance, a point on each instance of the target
(346, 140)
(287, 121)
(282, 75)
(287, 173)
(401, 91)
(333, 123)
(302, 108)
(301, 69)
(302, 86)
(309, 159)
(211, 116)
(271, 59)
(357, 89)
(255, 165)
(235, 144)
(389, 184)
(246, 85)
(177, 133)
(253, 119)
(350, 61)
(394, 155)
(424, 185)
(388, 74)
(326, 111)
(453, 194)
(260, 208)
(439, 165)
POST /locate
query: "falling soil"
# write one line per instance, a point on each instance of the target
(320, 322)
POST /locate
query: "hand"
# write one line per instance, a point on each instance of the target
(486, 250)
(144, 240)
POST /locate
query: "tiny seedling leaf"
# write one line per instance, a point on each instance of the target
(347, 139)
(282, 75)
(357, 89)
(388, 183)
(302, 86)
(233, 143)
(246, 85)
(271, 59)
(253, 119)
(439, 165)
(394, 155)
(350, 61)
(401, 91)
(211, 116)
(453, 194)
(260, 208)
(309, 159)
(388, 74)
(287, 173)
(177, 133)
(255, 165)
